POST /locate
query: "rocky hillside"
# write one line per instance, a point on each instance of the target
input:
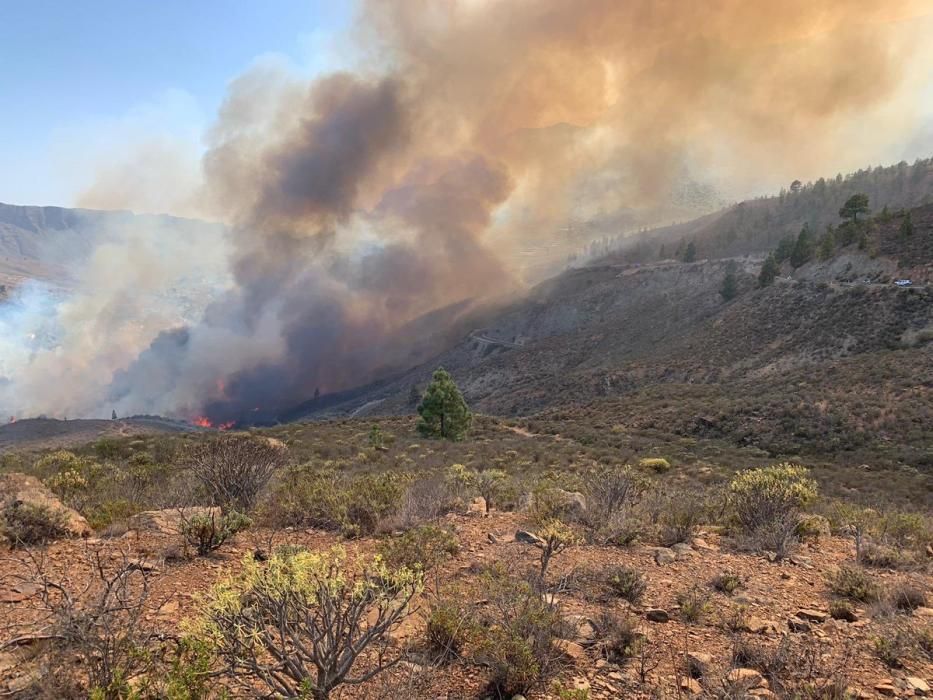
(831, 357)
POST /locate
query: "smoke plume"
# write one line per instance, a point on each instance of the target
(467, 132)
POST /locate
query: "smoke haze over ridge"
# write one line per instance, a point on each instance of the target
(463, 133)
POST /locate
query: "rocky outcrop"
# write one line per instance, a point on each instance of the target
(168, 521)
(22, 488)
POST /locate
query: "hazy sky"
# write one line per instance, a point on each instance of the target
(81, 77)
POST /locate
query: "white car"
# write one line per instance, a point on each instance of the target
(902, 283)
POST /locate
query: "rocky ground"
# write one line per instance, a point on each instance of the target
(780, 603)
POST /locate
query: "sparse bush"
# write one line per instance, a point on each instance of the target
(727, 582)
(893, 646)
(620, 638)
(234, 469)
(207, 532)
(853, 583)
(842, 609)
(694, 604)
(626, 583)
(422, 547)
(309, 497)
(925, 641)
(518, 642)
(680, 518)
(882, 557)
(449, 629)
(611, 495)
(906, 597)
(29, 524)
(333, 611)
(557, 537)
(371, 498)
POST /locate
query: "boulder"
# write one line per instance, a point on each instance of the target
(690, 686)
(531, 538)
(682, 550)
(918, 685)
(664, 556)
(756, 625)
(170, 520)
(657, 615)
(748, 677)
(795, 624)
(477, 507)
(811, 615)
(22, 488)
(570, 649)
(699, 663)
(583, 629)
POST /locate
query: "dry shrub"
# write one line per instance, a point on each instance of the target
(625, 582)
(234, 469)
(853, 583)
(25, 524)
(422, 547)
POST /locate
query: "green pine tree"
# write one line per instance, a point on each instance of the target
(443, 411)
(769, 271)
(828, 244)
(784, 249)
(690, 254)
(907, 226)
(730, 284)
(803, 248)
(855, 205)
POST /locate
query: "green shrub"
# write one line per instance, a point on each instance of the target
(520, 629)
(853, 583)
(315, 612)
(893, 646)
(449, 629)
(727, 582)
(310, 497)
(371, 498)
(105, 514)
(658, 465)
(694, 604)
(760, 497)
(421, 547)
(28, 524)
(626, 583)
(208, 532)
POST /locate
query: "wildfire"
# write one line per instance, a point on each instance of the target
(205, 422)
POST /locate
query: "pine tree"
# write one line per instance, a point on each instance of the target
(907, 226)
(827, 244)
(769, 271)
(690, 254)
(803, 248)
(784, 249)
(855, 205)
(113, 414)
(730, 284)
(443, 411)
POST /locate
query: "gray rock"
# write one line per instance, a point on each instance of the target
(657, 615)
(664, 555)
(795, 624)
(683, 550)
(526, 537)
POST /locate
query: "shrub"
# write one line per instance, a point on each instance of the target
(766, 502)
(760, 497)
(29, 524)
(658, 465)
(421, 547)
(557, 537)
(842, 609)
(310, 497)
(727, 582)
(626, 583)
(372, 497)
(680, 518)
(925, 641)
(518, 643)
(333, 611)
(855, 584)
(893, 646)
(694, 604)
(234, 469)
(620, 638)
(611, 494)
(907, 597)
(208, 532)
(449, 629)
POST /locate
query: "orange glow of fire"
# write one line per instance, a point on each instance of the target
(205, 422)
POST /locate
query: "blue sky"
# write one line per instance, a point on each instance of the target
(74, 74)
